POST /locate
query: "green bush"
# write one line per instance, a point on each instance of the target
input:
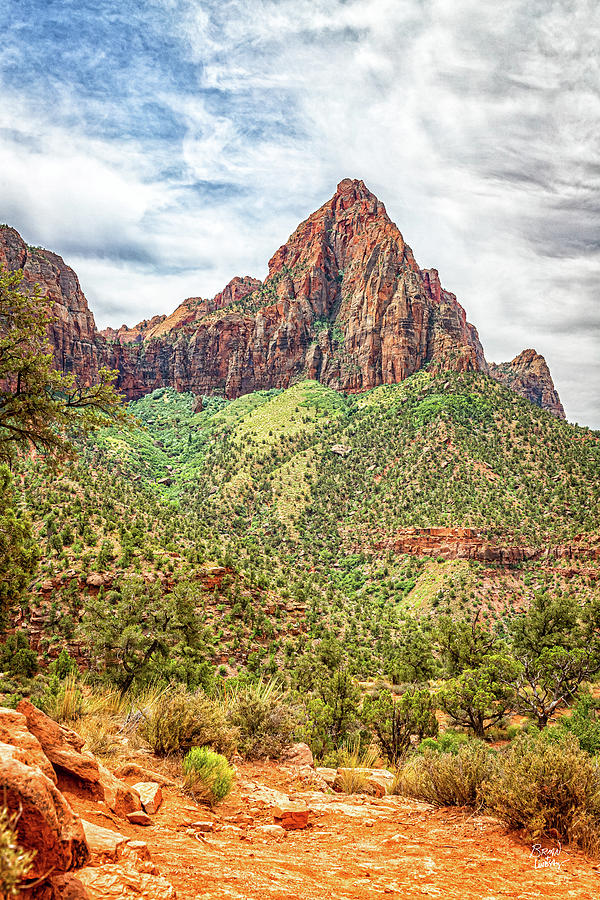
(264, 721)
(584, 723)
(15, 862)
(447, 779)
(208, 775)
(180, 720)
(545, 782)
(447, 742)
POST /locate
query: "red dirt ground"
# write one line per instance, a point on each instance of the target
(355, 847)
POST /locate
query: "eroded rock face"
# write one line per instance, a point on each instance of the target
(344, 303)
(46, 823)
(528, 375)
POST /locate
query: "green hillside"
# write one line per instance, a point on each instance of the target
(296, 494)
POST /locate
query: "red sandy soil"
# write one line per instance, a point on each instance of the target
(354, 847)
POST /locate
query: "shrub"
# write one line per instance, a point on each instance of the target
(15, 862)
(265, 722)
(584, 723)
(447, 742)
(208, 775)
(447, 779)
(180, 720)
(353, 760)
(546, 782)
(397, 721)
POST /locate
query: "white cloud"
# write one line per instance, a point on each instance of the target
(476, 125)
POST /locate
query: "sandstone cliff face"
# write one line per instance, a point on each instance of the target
(344, 302)
(528, 375)
(73, 334)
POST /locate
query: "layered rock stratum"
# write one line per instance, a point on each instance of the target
(344, 302)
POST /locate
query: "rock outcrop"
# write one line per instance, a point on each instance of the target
(344, 303)
(473, 543)
(528, 375)
(72, 858)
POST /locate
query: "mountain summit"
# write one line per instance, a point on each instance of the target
(344, 303)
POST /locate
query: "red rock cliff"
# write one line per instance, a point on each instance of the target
(344, 302)
(528, 375)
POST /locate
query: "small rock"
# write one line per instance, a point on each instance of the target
(118, 796)
(204, 827)
(104, 844)
(272, 830)
(291, 815)
(328, 775)
(95, 580)
(150, 795)
(139, 818)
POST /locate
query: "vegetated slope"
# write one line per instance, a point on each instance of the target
(449, 450)
(315, 505)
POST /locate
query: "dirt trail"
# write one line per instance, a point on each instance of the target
(355, 847)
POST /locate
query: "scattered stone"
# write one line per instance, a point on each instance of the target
(139, 818)
(204, 827)
(328, 775)
(104, 844)
(264, 797)
(340, 450)
(95, 580)
(118, 796)
(150, 795)
(124, 882)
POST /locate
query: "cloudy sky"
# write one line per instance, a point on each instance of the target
(164, 146)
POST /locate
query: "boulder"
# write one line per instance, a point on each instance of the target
(61, 745)
(300, 755)
(14, 731)
(291, 815)
(118, 796)
(104, 844)
(47, 824)
(150, 795)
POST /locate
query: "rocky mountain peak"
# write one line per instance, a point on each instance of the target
(344, 303)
